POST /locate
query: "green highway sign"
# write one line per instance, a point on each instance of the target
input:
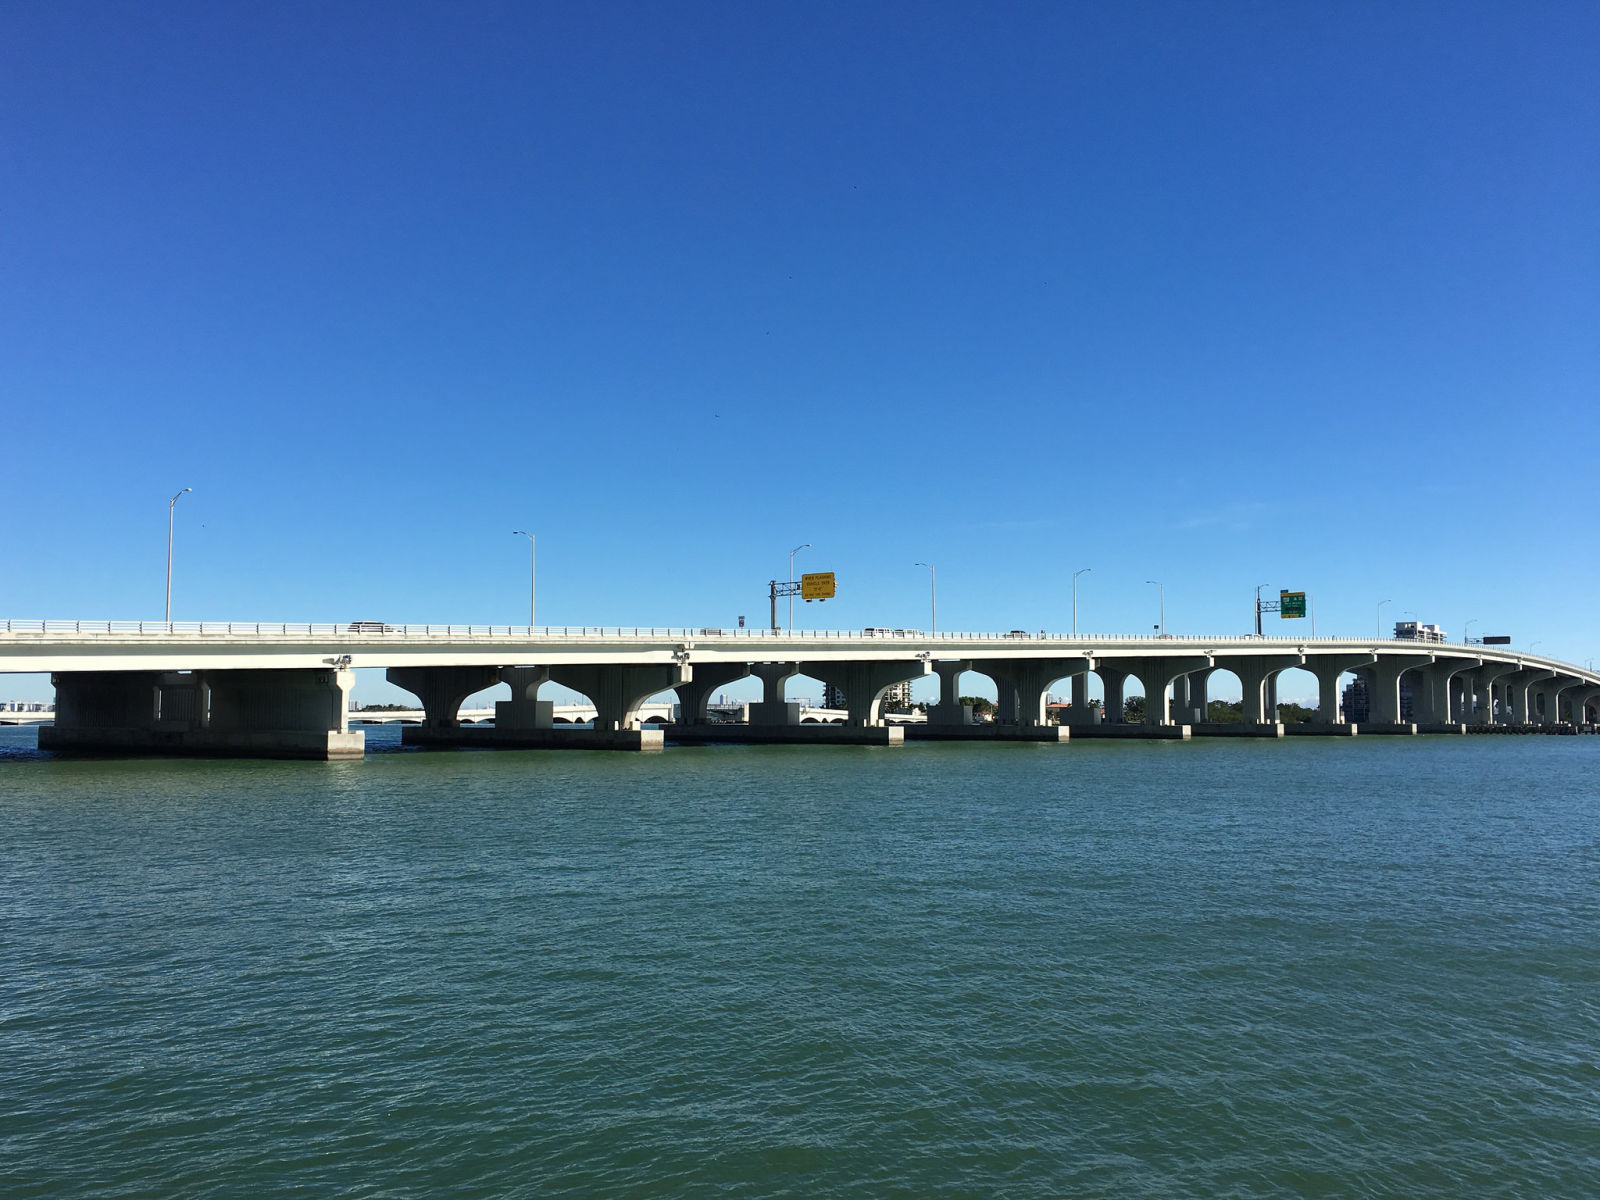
(1291, 604)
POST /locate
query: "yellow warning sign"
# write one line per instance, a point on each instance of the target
(817, 586)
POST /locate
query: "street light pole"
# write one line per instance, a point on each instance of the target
(1466, 632)
(1163, 588)
(1381, 603)
(933, 596)
(1075, 575)
(172, 508)
(1259, 586)
(792, 553)
(531, 570)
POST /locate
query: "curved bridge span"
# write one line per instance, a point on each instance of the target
(282, 688)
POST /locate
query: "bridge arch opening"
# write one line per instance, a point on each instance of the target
(1297, 696)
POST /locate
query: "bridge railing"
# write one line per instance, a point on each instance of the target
(373, 632)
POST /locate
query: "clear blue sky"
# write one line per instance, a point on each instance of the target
(1216, 294)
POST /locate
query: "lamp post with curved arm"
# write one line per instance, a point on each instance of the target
(1163, 588)
(172, 508)
(792, 553)
(1075, 575)
(933, 596)
(531, 565)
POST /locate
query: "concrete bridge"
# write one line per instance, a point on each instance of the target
(282, 689)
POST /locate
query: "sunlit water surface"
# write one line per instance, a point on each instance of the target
(1303, 968)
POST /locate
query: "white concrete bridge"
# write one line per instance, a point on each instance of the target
(282, 688)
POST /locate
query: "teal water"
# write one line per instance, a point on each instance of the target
(1308, 968)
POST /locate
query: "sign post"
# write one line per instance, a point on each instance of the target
(817, 585)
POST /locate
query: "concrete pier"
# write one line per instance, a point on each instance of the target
(1312, 729)
(1158, 733)
(488, 737)
(787, 735)
(297, 714)
(1239, 729)
(987, 732)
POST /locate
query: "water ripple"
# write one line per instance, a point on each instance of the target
(1153, 971)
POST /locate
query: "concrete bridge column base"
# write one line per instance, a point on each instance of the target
(223, 714)
(772, 708)
(1080, 713)
(950, 710)
(524, 710)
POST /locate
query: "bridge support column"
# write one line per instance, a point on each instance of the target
(1584, 701)
(1199, 688)
(524, 710)
(1486, 685)
(103, 710)
(1081, 713)
(772, 708)
(1113, 706)
(1258, 684)
(617, 690)
(1157, 674)
(1519, 694)
(289, 714)
(1432, 692)
(1548, 704)
(950, 710)
(1181, 709)
(240, 714)
(695, 695)
(1022, 684)
(863, 684)
(1383, 697)
(1569, 703)
(442, 689)
(1329, 670)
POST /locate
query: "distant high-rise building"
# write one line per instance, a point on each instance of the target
(1416, 631)
(896, 699)
(1355, 701)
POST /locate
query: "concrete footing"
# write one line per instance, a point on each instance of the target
(489, 737)
(788, 735)
(987, 733)
(1310, 729)
(1159, 733)
(312, 744)
(1245, 729)
(1403, 728)
(1544, 729)
(1454, 727)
